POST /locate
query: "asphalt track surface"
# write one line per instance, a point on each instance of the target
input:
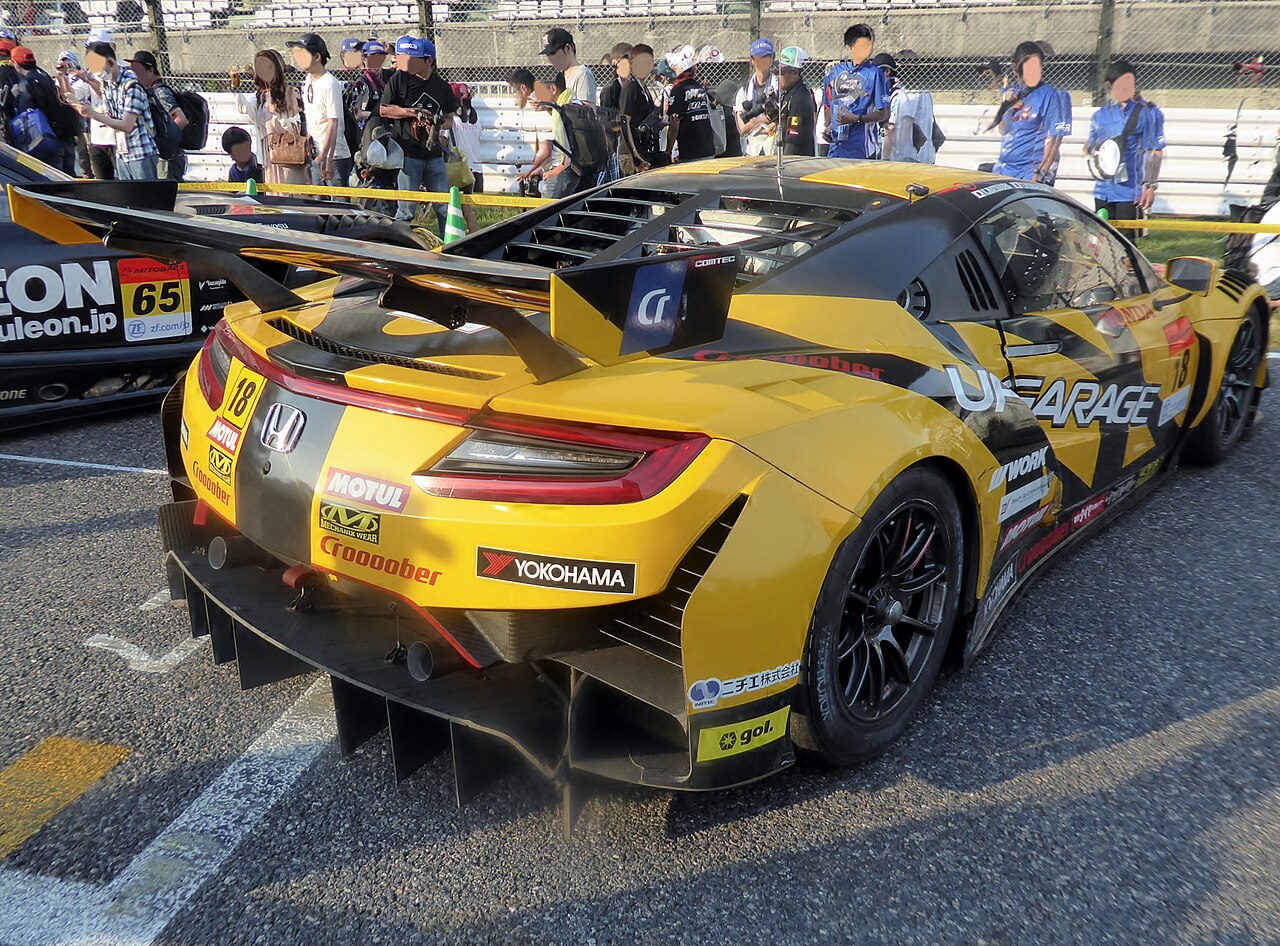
(1108, 773)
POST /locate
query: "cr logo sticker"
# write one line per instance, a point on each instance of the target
(646, 315)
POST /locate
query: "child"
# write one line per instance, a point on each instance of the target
(237, 143)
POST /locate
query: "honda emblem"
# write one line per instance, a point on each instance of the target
(282, 428)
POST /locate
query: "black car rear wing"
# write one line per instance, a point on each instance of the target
(609, 312)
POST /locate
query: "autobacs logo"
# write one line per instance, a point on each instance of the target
(365, 490)
(1017, 468)
(572, 574)
(353, 523)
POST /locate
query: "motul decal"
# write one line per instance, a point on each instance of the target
(366, 490)
(572, 574)
(225, 435)
(1022, 527)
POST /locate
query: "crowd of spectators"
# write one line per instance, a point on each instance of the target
(383, 116)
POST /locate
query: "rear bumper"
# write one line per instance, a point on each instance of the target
(607, 709)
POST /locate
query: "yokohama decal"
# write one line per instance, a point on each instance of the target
(571, 574)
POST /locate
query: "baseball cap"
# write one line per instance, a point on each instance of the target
(375, 47)
(709, 53)
(70, 57)
(7, 47)
(351, 44)
(9, 35)
(663, 69)
(885, 61)
(147, 58)
(793, 57)
(312, 43)
(682, 59)
(99, 34)
(24, 56)
(993, 65)
(761, 47)
(554, 40)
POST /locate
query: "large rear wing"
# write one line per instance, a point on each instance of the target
(608, 312)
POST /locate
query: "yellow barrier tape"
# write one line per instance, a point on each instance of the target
(354, 193)
(1201, 226)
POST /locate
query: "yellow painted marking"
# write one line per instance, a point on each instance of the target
(47, 779)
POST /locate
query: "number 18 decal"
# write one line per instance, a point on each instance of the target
(156, 299)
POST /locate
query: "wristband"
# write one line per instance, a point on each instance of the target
(1152, 184)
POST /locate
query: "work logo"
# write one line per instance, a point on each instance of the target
(353, 523)
(220, 464)
(719, 742)
(704, 694)
(572, 574)
(224, 435)
(656, 307)
(1012, 470)
(365, 490)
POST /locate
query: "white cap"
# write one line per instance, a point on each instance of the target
(682, 59)
(99, 34)
(709, 53)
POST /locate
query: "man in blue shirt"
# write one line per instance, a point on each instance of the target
(1133, 187)
(1033, 121)
(855, 98)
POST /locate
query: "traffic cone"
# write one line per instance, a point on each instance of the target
(455, 228)
(250, 188)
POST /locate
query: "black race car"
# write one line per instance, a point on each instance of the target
(98, 326)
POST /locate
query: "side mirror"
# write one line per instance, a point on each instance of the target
(1192, 273)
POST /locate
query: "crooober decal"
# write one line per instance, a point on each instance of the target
(548, 571)
(403, 567)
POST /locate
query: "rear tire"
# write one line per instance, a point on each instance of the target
(882, 622)
(1225, 423)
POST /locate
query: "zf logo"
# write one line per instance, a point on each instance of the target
(353, 523)
(220, 464)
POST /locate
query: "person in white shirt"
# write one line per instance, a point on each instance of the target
(1265, 253)
(758, 132)
(322, 106)
(465, 137)
(562, 55)
(533, 121)
(908, 134)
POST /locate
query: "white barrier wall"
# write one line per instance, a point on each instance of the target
(1192, 180)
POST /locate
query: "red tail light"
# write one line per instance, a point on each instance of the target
(520, 460)
(212, 368)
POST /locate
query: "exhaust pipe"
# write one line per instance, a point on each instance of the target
(235, 551)
(428, 660)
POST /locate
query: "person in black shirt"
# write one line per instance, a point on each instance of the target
(637, 107)
(620, 53)
(422, 105)
(689, 111)
(797, 114)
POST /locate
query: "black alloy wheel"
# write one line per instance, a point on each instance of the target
(1225, 423)
(893, 610)
(882, 622)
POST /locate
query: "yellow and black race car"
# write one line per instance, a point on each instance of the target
(667, 481)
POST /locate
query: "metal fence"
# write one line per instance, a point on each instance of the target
(1202, 53)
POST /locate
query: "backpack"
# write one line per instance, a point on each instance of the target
(592, 133)
(167, 134)
(196, 107)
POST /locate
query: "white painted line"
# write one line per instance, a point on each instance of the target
(157, 600)
(36, 909)
(49, 461)
(138, 659)
(136, 907)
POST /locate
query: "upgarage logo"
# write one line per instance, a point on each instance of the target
(571, 574)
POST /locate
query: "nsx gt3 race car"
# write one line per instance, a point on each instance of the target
(87, 328)
(672, 480)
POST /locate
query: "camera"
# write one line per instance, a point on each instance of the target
(765, 106)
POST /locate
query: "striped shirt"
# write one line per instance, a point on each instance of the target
(126, 95)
